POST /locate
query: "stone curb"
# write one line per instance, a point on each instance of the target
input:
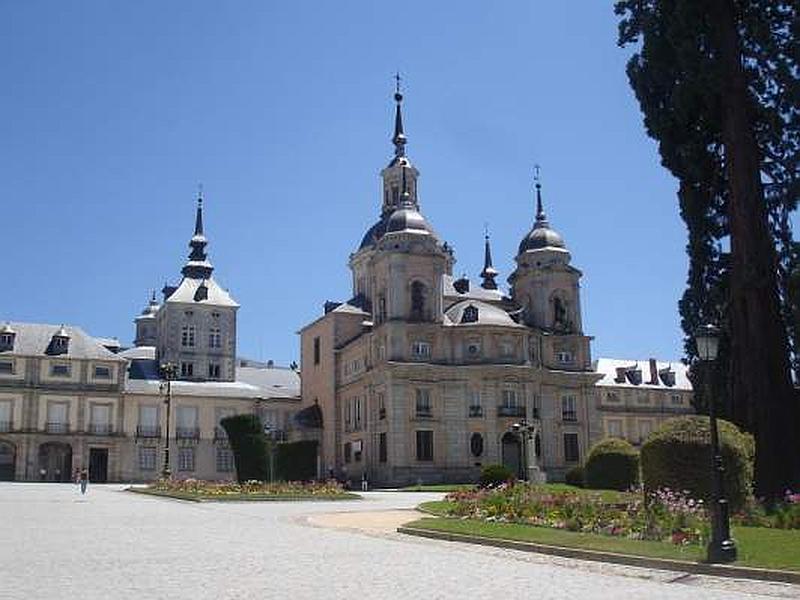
(612, 557)
(243, 499)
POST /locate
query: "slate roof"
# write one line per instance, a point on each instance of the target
(487, 314)
(608, 367)
(33, 339)
(186, 292)
(475, 291)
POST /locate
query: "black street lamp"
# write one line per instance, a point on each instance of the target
(168, 371)
(721, 548)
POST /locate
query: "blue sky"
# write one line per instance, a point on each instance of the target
(112, 112)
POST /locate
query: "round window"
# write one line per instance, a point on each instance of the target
(476, 444)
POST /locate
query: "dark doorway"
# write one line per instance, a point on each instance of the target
(55, 462)
(98, 465)
(512, 453)
(7, 459)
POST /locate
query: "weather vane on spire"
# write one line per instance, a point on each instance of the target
(200, 192)
(537, 174)
(397, 80)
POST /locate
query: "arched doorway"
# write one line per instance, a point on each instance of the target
(55, 462)
(8, 457)
(512, 453)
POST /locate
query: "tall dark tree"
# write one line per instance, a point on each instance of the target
(717, 81)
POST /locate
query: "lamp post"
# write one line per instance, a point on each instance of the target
(168, 371)
(721, 548)
(269, 433)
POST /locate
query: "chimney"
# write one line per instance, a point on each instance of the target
(653, 372)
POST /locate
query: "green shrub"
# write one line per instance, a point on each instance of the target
(249, 446)
(678, 456)
(612, 464)
(492, 475)
(574, 476)
(296, 461)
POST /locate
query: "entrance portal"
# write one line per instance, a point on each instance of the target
(98, 465)
(8, 457)
(512, 453)
(55, 462)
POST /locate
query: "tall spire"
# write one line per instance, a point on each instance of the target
(198, 266)
(541, 217)
(399, 139)
(489, 272)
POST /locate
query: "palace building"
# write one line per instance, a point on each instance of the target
(420, 376)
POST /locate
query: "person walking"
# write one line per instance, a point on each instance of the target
(84, 480)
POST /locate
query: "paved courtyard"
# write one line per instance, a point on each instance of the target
(110, 544)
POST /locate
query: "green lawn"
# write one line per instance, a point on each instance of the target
(198, 497)
(758, 547)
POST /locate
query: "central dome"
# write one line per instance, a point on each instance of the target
(407, 218)
(540, 237)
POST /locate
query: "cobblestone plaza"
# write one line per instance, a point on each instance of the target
(57, 544)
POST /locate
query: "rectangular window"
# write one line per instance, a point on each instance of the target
(421, 350)
(187, 369)
(224, 460)
(382, 449)
(102, 372)
(571, 449)
(186, 422)
(475, 408)
(645, 429)
(357, 411)
(187, 336)
(147, 458)
(6, 367)
(381, 406)
(100, 419)
(148, 422)
(316, 351)
(564, 357)
(348, 452)
(60, 370)
(423, 402)
(614, 428)
(5, 415)
(57, 417)
(510, 398)
(213, 371)
(214, 338)
(186, 458)
(358, 448)
(569, 408)
(425, 445)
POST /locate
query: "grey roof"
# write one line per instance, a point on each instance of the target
(487, 314)
(139, 352)
(187, 293)
(475, 291)
(280, 382)
(622, 373)
(33, 339)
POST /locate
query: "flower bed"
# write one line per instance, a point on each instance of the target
(227, 490)
(662, 516)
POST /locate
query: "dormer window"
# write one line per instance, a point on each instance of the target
(620, 378)
(470, 314)
(634, 375)
(59, 344)
(7, 336)
(667, 377)
(201, 293)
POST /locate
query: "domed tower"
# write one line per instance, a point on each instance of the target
(399, 265)
(147, 324)
(544, 283)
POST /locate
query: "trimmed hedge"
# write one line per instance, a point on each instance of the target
(678, 456)
(492, 475)
(246, 437)
(575, 476)
(612, 464)
(296, 461)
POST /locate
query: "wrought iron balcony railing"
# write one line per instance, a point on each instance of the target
(569, 415)
(148, 431)
(100, 428)
(57, 427)
(187, 433)
(475, 411)
(424, 412)
(511, 411)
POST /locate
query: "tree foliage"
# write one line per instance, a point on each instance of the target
(717, 81)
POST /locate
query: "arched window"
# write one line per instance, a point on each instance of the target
(418, 301)
(560, 312)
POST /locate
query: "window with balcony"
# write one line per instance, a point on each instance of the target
(147, 458)
(100, 419)
(571, 448)
(186, 458)
(510, 405)
(186, 423)
(148, 426)
(60, 370)
(569, 410)
(420, 350)
(213, 370)
(424, 445)
(423, 407)
(6, 367)
(6, 415)
(187, 369)
(57, 417)
(225, 461)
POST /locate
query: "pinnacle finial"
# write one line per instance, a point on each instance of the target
(198, 221)
(540, 216)
(399, 138)
(489, 272)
